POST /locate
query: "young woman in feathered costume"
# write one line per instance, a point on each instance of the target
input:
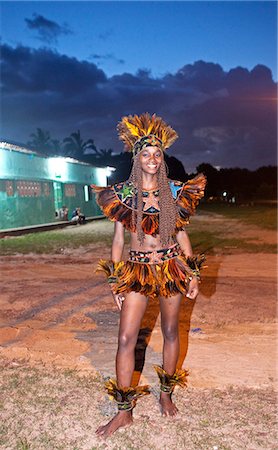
(155, 210)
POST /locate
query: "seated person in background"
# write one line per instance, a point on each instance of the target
(65, 212)
(77, 216)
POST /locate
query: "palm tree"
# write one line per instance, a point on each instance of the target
(56, 147)
(75, 146)
(100, 157)
(41, 141)
(104, 154)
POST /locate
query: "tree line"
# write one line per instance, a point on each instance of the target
(225, 183)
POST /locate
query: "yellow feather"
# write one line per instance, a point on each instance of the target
(131, 128)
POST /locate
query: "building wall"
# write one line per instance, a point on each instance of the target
(19, 210)
(33, 187)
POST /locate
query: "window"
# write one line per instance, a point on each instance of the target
(70, 190)
(46, 189)
(86, 193)
(9, 188)
(28, 188)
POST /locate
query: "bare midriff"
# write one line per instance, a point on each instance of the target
(151, 243)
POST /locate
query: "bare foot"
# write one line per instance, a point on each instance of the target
(168, 408)
(121, 419)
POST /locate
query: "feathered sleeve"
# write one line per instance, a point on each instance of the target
(112, 207)
(189, 197)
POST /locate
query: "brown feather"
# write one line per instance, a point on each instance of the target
(178, 378)
(132, 128)
(125, 394)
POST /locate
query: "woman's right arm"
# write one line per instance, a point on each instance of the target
(116, 256)
(118, 242)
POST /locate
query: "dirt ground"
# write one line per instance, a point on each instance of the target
(55, 310)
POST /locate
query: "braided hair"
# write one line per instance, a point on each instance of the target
(168, 209)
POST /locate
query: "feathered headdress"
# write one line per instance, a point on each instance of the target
(145, 130)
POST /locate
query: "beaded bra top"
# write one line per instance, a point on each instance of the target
(118, 201)
(127, 195)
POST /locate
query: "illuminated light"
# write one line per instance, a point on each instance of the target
(224, 194)
(58, 168)
(17, 148)
(271, 99)
(257, 99)
(110, 170)
(86, 193)
(101, 178)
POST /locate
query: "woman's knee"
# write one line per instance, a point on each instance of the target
(126, 341)
(170, 332)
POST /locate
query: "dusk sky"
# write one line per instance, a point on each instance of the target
(208, 68)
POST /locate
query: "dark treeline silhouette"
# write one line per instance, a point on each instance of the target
(240, 184)
(233, 184)
(73, 146)
(122, 162)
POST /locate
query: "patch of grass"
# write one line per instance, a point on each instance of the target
(263, 216)
(209, 243)
(55, 241)
(232, 418)
(49, 242)
(69, 372)
(100, 232)
(23, 444)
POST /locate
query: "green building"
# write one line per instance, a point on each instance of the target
(34, 188)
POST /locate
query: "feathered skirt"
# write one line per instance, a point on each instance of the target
(162, 273)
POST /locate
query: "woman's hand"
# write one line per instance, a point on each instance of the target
(118, 299)
(193, 288)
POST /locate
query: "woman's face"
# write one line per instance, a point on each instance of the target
(151, 159)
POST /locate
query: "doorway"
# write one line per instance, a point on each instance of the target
(58, 195)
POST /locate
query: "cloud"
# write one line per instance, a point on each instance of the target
(48, 31)
(224, 118)
(106, 57)
(43, 73)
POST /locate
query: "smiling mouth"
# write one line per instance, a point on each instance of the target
(152, 166)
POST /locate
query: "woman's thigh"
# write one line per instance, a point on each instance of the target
(132, 312)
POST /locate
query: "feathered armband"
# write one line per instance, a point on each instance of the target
(111, 269)
(195, 263)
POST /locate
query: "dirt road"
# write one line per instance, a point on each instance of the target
(54, 309)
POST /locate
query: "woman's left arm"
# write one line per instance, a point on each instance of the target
(184, 242)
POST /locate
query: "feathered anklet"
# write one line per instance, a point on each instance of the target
(125, 397)
(168, 382)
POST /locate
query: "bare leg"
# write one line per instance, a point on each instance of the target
(170, 308)
(132, 312)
